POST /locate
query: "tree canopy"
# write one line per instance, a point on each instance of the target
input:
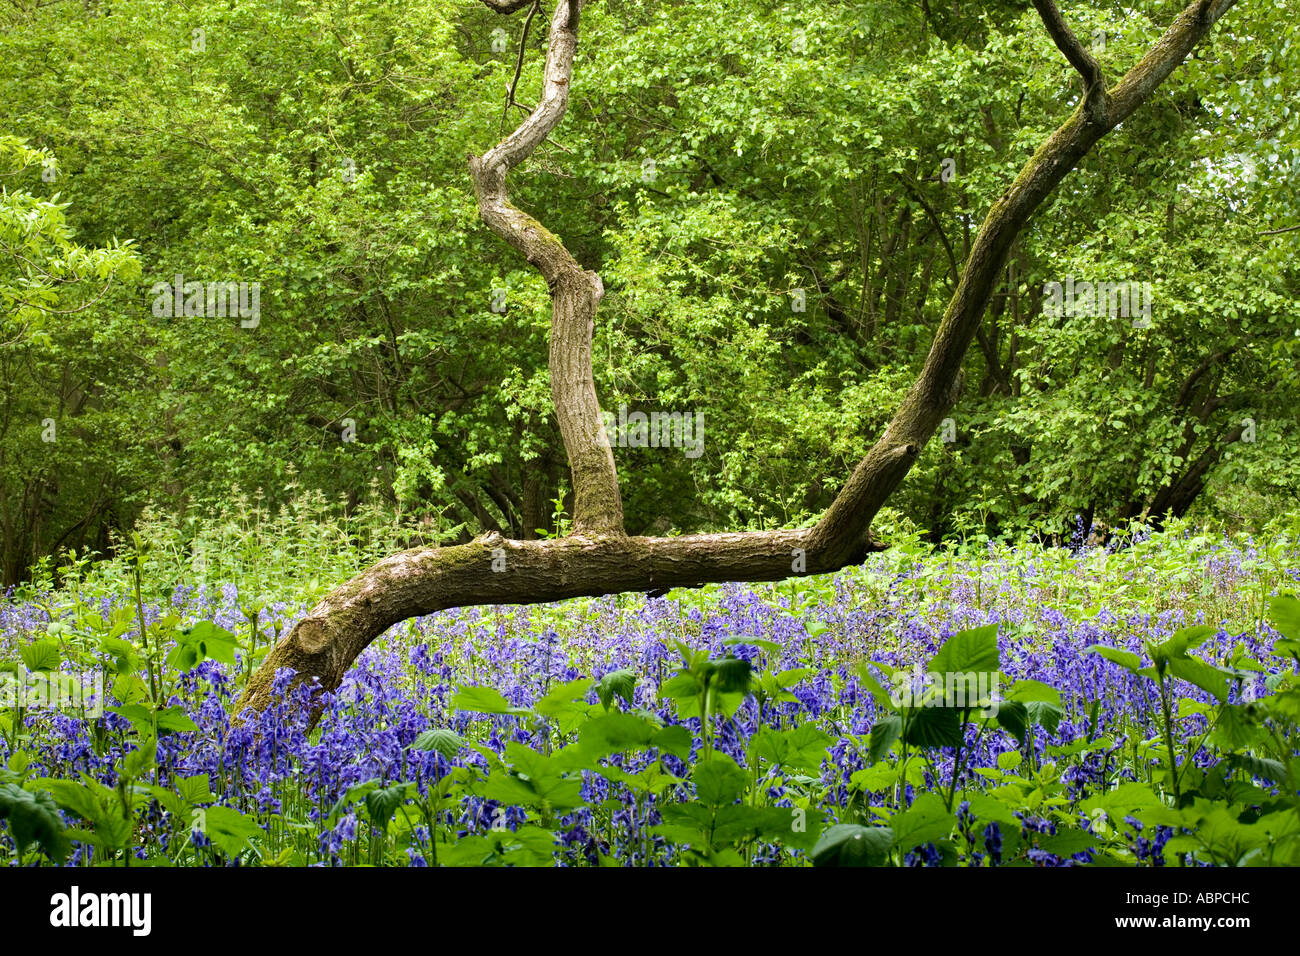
(780, 200)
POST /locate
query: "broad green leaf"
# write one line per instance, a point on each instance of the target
(883, 735)
(565, 698)
(731, 675)
(617, 683)
(43, 655)
(482, 700)
(1180, 642)
(33, 818)
(932, 727)
(1209, 679)
(1284, 615)
(213, 641)
(927, 820)
(718, 780)
(850, 844)
(974, 651)
(1125, 659)
(228, 829)
(446, 742)
(382, 803)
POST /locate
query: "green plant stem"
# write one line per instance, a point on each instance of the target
(1169, 739)
(148, 650)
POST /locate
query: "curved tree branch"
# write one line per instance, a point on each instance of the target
(492, 570)
(575, 293)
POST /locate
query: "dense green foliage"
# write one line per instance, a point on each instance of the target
(723, 164)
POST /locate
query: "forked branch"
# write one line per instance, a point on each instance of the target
(599, 558)
(1094, 85)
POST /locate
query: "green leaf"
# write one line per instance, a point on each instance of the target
(1236, 728)
(445, 742)
(974, 651)
(1033, 692)
(350, 796)
(927, 820)
(34, 818)
(137, 715)
(212, 641)
(136, 763)
(874, 779)
(175, 720)
(1067, 841)
(126, 660)
(718, 780)
(183, 657)
(679, 687)
(381, 804)
(1125, 659)
(616, 732)
(228, 829)
(675, 740)
(991, 809)
(1224, 835)
(883, 735)
(1045, 715)
(1127, 797)
(535, 786)
(770, 647)
(76, 798)
(619, 683)
(170, 720)
(1209, 679)
(169, 801)
(194, 789)
(565, 698)
(731, 675)
(43, 655)
(881, 696)
(527, 846)
(1176, 646)
(1284, 615)
(1263, 767)
(932, 727)
(1013, 717)
(803, 748)
(850, 844)
(483, 700)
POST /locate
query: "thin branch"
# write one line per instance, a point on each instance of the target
(519, 65)
(1094, 85)
(1278, 232)
(953, 269)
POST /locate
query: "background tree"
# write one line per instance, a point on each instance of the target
(65, 410)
